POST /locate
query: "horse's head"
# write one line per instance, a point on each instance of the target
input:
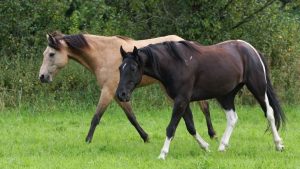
(130, 74)
(55, 58)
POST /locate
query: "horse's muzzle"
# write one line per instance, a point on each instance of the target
(123, 96)
(44, 78)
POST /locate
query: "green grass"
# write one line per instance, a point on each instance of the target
(55, 139)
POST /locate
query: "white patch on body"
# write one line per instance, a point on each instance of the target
(187, 61)
(232, 118)
(165, 149)
(270, 116)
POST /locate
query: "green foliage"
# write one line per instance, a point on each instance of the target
(271, 26)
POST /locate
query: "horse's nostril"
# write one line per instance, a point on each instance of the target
(42, 77)
(123, 94)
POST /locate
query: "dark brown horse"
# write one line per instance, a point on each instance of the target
(191, 72)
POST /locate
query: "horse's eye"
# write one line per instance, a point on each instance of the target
(51, 55)
(133, 68)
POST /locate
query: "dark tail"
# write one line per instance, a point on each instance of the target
(278, 113)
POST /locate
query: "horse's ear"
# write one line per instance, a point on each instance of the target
(123, 53)
(135, 51)
(135, 54)
(51, 40)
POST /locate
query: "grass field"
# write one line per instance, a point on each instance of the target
(55, 139)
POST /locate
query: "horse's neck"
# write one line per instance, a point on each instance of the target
(81, 59)
(102, 51)
(150, 66)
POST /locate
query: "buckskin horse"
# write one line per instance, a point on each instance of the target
(100, 55)
(192, 72)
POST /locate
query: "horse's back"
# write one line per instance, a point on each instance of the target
(143, 43)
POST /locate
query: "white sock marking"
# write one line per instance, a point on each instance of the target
(165, 149)
(232, 118)
(271, 119)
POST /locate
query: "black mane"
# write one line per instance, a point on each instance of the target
(171, 47)
(74, 42)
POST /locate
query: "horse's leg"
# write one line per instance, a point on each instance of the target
(126, 106)
(189, 122)
(204, 106)
(259, 92)
(178, 110)
(105, 98)
(227, 102)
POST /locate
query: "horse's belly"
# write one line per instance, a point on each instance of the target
(208, 94)
(212, 87)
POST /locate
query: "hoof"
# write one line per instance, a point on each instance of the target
(280, 147)
(205, 147)
(146, 139)
(162, 156)
(222, 148)
(213, 135)
(88, 140)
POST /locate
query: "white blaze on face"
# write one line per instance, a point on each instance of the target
(123, 67)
